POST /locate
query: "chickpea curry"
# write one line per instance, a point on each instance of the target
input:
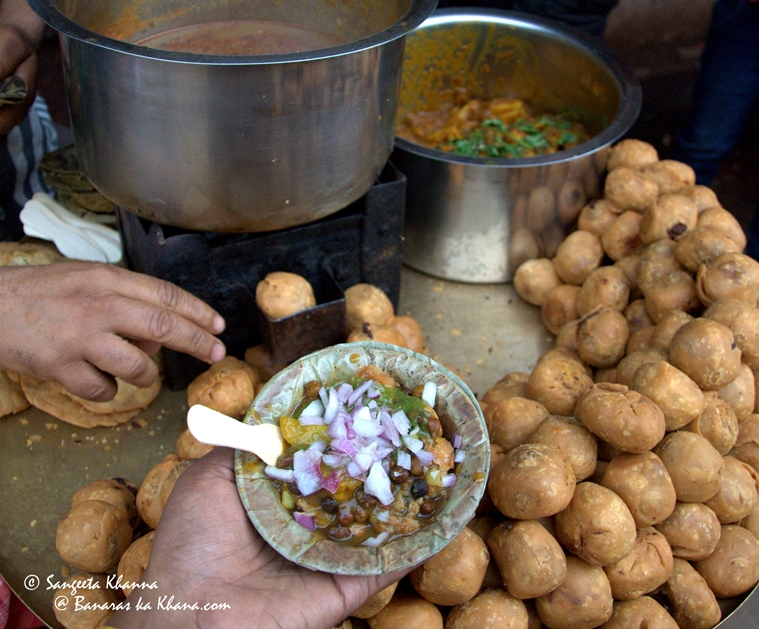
(366, 461)
(500, 128)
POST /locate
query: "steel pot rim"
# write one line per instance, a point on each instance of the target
(631, 95)
(417, 13)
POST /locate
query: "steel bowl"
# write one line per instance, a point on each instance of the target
(475, 219)
(232, 143)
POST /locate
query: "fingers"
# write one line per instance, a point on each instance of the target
(169, 296)
(147, 322)
(149, 347)
(115, 356)
(87, 382)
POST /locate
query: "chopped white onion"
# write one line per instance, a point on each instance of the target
(376, 541)
(413, 444)
(382, 515)
(429, 393)
(404, 460)
(287, 476)
(306, 468)
(323, 395)
(354, 470)
(364, 426)
(449, 480)
(333, 406)
(377, 484)
(315, 409)
(401, 421)
(425, 457)
(311, 420)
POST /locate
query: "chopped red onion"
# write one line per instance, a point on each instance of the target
(377, 484)
(335, 460)
(357, 393)
(344, 445)
(390, 431)
(305, 520)
(429, 393)
(376, 541)
(287, 476)
(456, 440)
(332, 482)
(403, 460)
(401, 422)
(459, 456)
(449, 480)
(372, 392)
(383, 453)
(307, 471)
(372, 404)
(338, 428)
(425, 457)
(343, 391)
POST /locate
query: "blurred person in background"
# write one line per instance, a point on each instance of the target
(26, 129)
(726, 94)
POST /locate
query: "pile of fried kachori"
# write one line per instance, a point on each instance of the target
(630, 453)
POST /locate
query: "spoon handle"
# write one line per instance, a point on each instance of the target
(214, 428)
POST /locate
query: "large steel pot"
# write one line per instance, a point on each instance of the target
(232, 143)
(474, 219)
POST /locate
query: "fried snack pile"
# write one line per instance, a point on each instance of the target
(625, 465)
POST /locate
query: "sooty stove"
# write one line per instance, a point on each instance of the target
(361, 243)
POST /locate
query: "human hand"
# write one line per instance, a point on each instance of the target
(70, 321)
(17, 56)
(205, 550)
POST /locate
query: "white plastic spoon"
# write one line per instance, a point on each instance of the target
(216, 429)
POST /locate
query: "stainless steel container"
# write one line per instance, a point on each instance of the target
(475, 219)
(232, 143)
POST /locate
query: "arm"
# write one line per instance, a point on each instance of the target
(69, 322)
(214, 555)
(20, 35)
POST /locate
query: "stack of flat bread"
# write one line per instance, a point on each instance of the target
(18, 392)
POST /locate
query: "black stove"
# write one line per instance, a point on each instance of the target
(361, 243)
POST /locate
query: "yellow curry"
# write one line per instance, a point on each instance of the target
(501, 127)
